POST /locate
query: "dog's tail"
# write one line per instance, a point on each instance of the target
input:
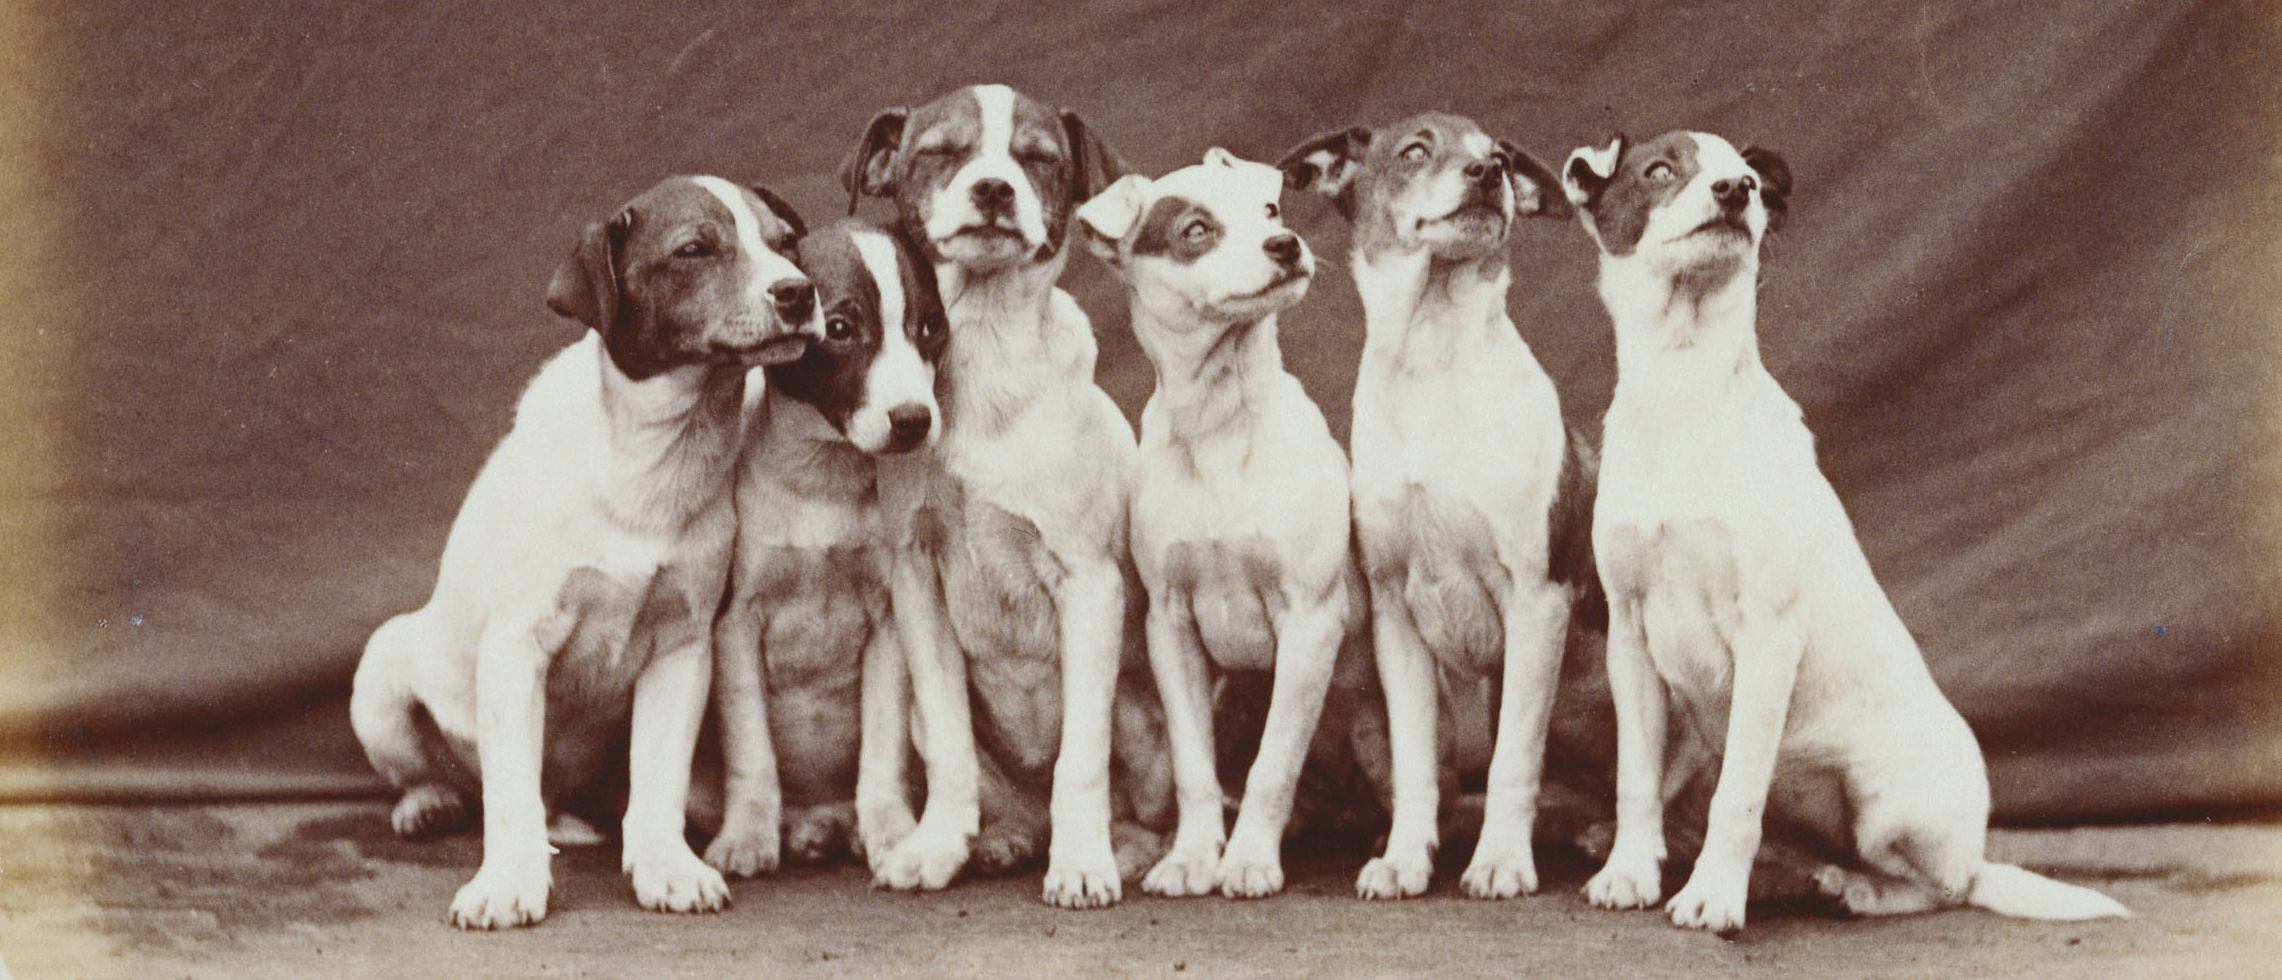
(2009, 889)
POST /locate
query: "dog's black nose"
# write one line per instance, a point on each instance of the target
(992, 194)
(908, 424)
(1487, 172)
(794, 298)
(1733, 194)
(1283, 248)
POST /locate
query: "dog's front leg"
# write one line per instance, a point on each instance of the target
(669, 704)
(749, 842)
(1536, 619)
(1767, 649)
(1633, 875)
(1307, 648)
(510, 888)
(1406, 672)
(883, 801)
(932, 854)
(1176, 657)
(1081, 861)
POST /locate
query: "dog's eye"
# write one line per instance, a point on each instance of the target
(1658, 172)
(693, 250)
(1196, 232)
(931, 326)
(1273, 210)
(838, 328)
(1037, 158)
(1414, 152)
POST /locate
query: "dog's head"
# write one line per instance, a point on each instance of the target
(873, 374)
(1686, 204)
(1208, 240)
(1434, 182)
(984, 177)
(693, 271)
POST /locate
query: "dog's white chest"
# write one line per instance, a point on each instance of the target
(618, 619)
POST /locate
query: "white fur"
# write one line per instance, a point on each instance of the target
(993, 157)
(769, 267)
(899, 376)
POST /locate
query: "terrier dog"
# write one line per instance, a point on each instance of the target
(1736, 586)
(1010, 535)
(578, 584)
(1240, 517)
(808, 596)
(1467, 488)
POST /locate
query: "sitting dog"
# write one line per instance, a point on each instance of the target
(1240, 516)
(1736, 586)
(578, 584)
(1010, 535)
(1466, 485)
(808, 597)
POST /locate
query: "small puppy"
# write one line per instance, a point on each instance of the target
(1465, 482)
(1736, 586)
(578, 584)
(1010, 535)
(808, 597)
(1240, 517)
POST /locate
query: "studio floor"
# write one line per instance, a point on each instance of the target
(323, 890)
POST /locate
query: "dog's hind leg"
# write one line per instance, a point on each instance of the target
(402, 745)
(1536, 621)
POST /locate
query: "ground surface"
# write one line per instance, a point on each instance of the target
(323, 890)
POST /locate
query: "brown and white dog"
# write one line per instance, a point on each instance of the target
(809, 679)
(578, 585)
(1466, 484)
(1737, 592)
(1240, 516)
(1012, 571)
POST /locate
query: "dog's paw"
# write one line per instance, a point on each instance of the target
(1185, 872)
(1626, 882)
(1083, 877)
(1500, 870)
(1250, 870)
(1395, 876)
(504, 894)
(820, 833)
(744, 848)
(925, 860)
(677, 882)
(1137, 849)
(1004, 848)
(1710, 906)
(879, 829)
(426, 809)
(571, 830)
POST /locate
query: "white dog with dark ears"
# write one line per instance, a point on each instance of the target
(578, 585)
(1240, 517)
(1465, 517)
(1737, 592)
(809, 676)
(1012, 570)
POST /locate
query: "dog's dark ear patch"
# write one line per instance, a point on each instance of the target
(870, 170)
(1093, 165)
(1584, 183)
(1774, 183)
(1536, 192)
(783, 211)
(585, 286)
(1326, 162)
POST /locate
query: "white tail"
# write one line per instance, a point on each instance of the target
(2009, 889)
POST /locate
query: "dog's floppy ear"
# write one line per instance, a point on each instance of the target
(585, 287)
(1326, 163)
(870, 170)
(1536, 192)
(782, 210)
(1774, 183)
(1092, 164)
(1589, 170)
(1105, 220)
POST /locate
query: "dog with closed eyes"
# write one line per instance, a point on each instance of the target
(1470, 496)
(577, 588)
(809, 681)
(1740, 601)
(1011, 577)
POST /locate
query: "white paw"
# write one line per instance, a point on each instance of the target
(426, 809)
(879, 829)
(571, 830)
(925, 860)
(1627, 881)
(1396, 875)
(1713, 906)
(504, 894)
(744, 848)
(1499, 870)
(1185, 872)
(1251, 870)
(676, 881)
(1083, 877)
